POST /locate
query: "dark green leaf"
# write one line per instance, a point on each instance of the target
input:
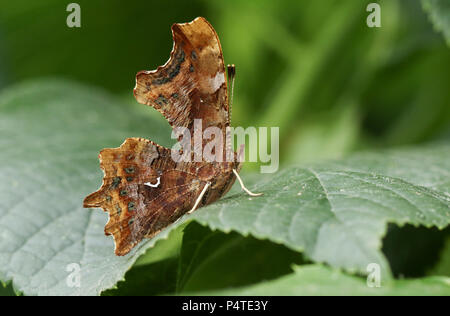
(212, 260)
(412, 251)
(158, 278)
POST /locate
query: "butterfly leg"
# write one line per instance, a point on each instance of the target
(200, 197)
(243, 186)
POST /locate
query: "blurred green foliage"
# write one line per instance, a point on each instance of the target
(313, 68)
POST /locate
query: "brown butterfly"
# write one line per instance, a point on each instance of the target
(144, 189)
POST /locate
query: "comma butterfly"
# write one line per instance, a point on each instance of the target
(144, 189)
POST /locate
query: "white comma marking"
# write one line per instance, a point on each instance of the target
(158, 182)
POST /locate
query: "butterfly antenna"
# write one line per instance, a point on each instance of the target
(231, 70)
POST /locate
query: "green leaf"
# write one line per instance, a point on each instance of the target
(51, 135)
(155, 272)
(443, 266)
(338, 212)
(157, 278)
(52, 131)
(7, 290)
(439, 12)
(412, 251)
(321, 280)
(212, 260)
(164, 249)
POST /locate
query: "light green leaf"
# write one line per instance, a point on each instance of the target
(51, 134)
(321, 280)
(338, 212)
(439, 12)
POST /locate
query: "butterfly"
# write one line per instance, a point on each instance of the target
(144, 189)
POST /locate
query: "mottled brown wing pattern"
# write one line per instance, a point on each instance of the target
(192, 84)
(142, 190)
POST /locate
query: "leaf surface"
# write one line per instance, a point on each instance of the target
(338, 212)
(51, 133)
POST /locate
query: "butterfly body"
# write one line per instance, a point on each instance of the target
(144, 189)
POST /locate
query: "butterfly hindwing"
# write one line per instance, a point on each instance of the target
(143, 191)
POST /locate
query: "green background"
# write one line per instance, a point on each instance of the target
(313, 68)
